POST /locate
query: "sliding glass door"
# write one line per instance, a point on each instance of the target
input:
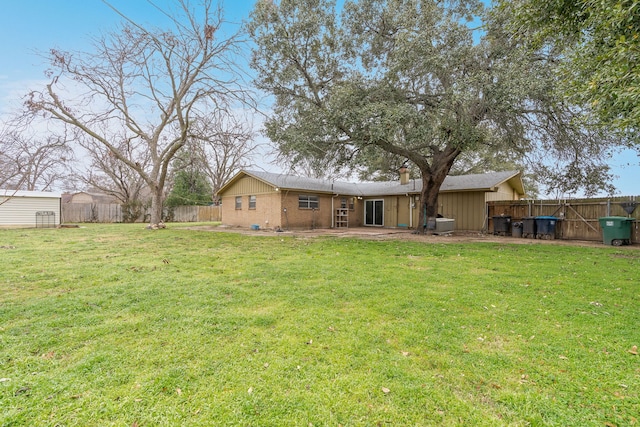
(374, 212)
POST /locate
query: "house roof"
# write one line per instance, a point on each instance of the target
(476, 182)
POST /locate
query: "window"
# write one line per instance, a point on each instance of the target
(347, 202)
(306, 201)
(238, 202)
(252, 202)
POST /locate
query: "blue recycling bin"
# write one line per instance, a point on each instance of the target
(546, 227)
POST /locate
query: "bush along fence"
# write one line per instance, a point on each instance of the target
(575, 219)
(111, 213)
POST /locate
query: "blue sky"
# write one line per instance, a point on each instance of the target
(28, 27)
(31, 26)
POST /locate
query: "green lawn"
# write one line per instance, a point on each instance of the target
(115, 325)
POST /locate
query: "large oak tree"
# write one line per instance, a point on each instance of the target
(422, 81)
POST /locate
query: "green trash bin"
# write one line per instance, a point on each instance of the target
(616, 230)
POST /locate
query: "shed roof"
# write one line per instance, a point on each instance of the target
(475, 182)
(21, 193)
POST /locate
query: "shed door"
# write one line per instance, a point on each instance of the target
(374, 212)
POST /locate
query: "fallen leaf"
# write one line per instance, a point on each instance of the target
(50, 355)
(22, 390)
(634, 350)
(385, 390)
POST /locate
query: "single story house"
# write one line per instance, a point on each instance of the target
(29, 208)
(271, 200)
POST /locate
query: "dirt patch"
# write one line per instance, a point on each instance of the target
(406, 235)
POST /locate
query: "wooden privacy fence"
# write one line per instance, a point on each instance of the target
(577, 219)
(109, 213)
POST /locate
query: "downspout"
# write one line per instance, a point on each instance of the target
(333, 224)
(411, 204)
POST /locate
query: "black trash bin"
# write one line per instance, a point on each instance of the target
(502, 225)
(529, 227)
(546, 227)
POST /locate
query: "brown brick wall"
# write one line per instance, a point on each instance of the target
(305, 219)
(266, 214)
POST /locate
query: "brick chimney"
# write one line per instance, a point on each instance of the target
(404, 175)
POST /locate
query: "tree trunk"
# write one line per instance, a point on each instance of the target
(156, 206)
(432, 179)
(428, 204)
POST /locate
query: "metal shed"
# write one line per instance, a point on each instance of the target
(29, 208)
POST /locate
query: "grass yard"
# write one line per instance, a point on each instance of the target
(115, 325)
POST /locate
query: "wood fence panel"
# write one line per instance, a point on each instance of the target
(209, 213)
(111, 213)
(577, 219)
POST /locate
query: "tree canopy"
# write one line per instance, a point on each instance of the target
(600, 42)
(417, 81)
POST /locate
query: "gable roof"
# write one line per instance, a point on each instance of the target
(475, 182)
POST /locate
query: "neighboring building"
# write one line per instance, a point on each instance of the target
(29, 208)
(271, 200)
(86, 197)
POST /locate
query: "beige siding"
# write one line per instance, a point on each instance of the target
(21, 211)
(504, 192)
(467, 208)
(391, 211)
(248, 185)
(403, 211)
